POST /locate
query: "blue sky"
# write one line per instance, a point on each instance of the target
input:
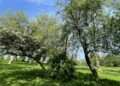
(30, 7)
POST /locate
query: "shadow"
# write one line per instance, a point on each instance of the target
(38, 77)
(24, 78)
(89, 80)
(26, 74)
(106, 82)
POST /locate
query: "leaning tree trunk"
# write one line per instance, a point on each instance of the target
(92, 69)
(86, 52)
(42, 66)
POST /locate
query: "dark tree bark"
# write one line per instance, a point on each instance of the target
(92, 69)
(42, 66)
(86, 53)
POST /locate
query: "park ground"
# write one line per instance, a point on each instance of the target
(24, 74)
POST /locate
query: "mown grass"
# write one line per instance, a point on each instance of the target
(110, 73)
(22, 74)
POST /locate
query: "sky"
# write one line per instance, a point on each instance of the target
(31, 7)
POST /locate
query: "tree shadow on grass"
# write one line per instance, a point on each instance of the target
(88, 80)
(24, 76)
(38, 77)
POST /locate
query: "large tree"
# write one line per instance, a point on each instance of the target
(85, 20)
(80, 17)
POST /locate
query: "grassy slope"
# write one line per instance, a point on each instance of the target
(18, 74)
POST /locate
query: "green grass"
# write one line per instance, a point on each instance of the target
(22, 74)
(110, 73)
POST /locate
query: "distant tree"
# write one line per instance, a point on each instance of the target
(110, 61)
(112, 29)
(17, 22)
(48, 30)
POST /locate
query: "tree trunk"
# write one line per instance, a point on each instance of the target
(85, 47)
(40, 64)
(92, 69)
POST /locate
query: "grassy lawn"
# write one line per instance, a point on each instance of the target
(110, 73)
(22, 74)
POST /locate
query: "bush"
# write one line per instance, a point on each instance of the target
(61, 68)
(111, 60)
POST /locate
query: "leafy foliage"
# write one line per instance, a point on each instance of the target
(85, 19)
(61, 66)
(21, 45)
(111, 61)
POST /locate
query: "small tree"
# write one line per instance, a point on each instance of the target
(61, 66)
(22, 45)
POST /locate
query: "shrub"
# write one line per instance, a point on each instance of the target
(61, 68)
(111, 60)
